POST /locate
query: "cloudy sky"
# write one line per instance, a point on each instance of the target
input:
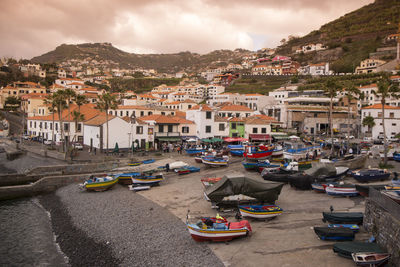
(32, 27)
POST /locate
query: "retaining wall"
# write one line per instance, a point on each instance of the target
(382, 219)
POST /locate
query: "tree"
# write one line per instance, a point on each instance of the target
(69, 95)
(60, 103)
(77, 116)
(386, 89)
(80, 100)
(351, 93)
(369, 122)
(49, 100)
(331, 88)
(105, 103)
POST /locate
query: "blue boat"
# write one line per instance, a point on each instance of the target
(238, 153)
(257, 165)
(194, 151)
(370, 175)
(236, 147)
(148, 161)
(334, 233)
(193, 168)
(126, 178)
(354, 227)
(214, 161)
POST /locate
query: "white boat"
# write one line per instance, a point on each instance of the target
(260, 211)
(215, 162)
(177, 165)
(277, 152)
(298, 150)
(341, 190)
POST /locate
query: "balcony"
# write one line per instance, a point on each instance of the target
(168, 134)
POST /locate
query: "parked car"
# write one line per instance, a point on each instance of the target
(25, 137)
(78, 146)
(47, 142)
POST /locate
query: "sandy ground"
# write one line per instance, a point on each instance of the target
(287, 240)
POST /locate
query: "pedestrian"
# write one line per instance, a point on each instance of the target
(350, 150)
(95, 149)
(167, 167)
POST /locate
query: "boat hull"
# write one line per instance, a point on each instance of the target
(146, 181)
(343, 217)
(341, 191)
(260, 212)
(201, 235)
(100, 186)
(237, 153)
(213, 163)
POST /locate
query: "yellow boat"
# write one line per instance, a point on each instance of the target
(99, 184)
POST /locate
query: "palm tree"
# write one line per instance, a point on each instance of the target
(351, 93)
(80, 100)
(386, 89)
(60, 103)
(105, 103)
(77, 117)
(369, 121)
(331, 89)
(69, 96)
(49, 100)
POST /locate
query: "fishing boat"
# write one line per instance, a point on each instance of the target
(343, 217)
(148, 161)
(345, 249)
(351, 161)
(370, 258)
(390, 187)
(214, 161)
(370, 175)
(99, 184)
(363, 190)
(147, 180)
(135, 163)
(260, 211)
(194, 151)
(344, 190)
(206, 182)
(395, 182)
(317, 187)
(249, 165)
(257, 152)
(137, 188)
(334, 233)
(198, 159)
(354, 227)
(236, 150)
(393, 194)
(187, 170)
(218, 232)
(277, 152)
(126, 178)
(298, 151)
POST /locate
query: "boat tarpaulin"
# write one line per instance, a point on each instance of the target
(235, 184)
(318, 169)
(345, 249)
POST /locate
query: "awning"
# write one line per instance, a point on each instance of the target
(215, 139)
(235, 139)
(280, 136)
(260, 137)
(169, 138)
(205, 140)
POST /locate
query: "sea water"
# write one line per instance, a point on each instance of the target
(26, 235)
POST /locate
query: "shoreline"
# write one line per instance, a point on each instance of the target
(89, 252)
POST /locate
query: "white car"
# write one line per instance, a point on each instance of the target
(350, 137)
(47, 142)
(78, 146)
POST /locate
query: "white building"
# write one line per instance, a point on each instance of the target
(315, 69)
(203, 117)
(95, 131)
(392, 121)
(371, 99)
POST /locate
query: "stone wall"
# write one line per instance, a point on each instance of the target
(382, 219)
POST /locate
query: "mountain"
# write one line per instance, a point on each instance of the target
(169, 63)
(351, 37)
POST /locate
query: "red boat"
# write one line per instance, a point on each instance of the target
(210, 181)
(257, 152)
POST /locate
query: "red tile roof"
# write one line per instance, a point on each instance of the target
(100, 119)
(159, 119)
(379, 106)
(235, 108)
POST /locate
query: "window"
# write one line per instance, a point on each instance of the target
(170, 128)
(127, 113)
(163, 113)
(30, 124)
(141, 113)
(208, 115)
(150, 113)
(121, 113)
(222, 127)
(79, 129)
(255, 130)
(391, 115)
(56, 126)
(233, 126)
(394, 124)
(45, 125)
(379, 114)
(66, 126)
(139, 129)
(263, 130)
(51, 126)
(185, 129)
(34, 124)
(161, 128)
(208, 129)
(40, 125)
(229, 114)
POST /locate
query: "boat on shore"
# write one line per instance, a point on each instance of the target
(217, 230)
(99, 184)
(194, 151)
(334, 233)
(277, 152)
(370, 175)
(344, 190)
(260, 211)
(345, 249)
(148, 161)
(135, 163)
(257, 165)
(298, 151)
(343, 217)
(363, 190)
(370, 258)
(210, 181)
(236, 150)
(214, 161)
(350, 161)
(354, 227)
(147, 180)
(257, 152)
(187, 170)
(126, 178)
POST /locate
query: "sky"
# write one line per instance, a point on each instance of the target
(30, 28)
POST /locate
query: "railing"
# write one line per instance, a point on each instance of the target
(168, 134)
(385, 202)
